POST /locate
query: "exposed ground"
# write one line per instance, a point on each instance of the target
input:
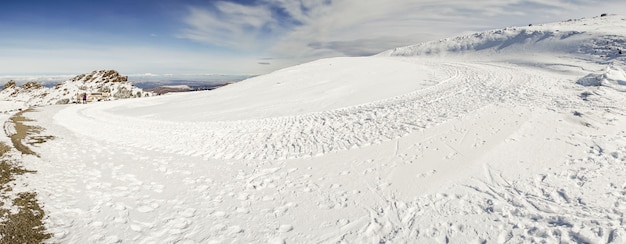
(21, 216)
(20, 133)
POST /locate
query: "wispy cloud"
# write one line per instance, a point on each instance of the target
(230, 25)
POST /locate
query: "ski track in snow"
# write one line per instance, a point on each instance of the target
(320, 133)
(156, 199)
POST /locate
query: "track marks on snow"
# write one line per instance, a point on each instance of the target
(461, 90)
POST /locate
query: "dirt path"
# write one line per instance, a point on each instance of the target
(21, 216)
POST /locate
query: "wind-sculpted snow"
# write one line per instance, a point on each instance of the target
(465, 88)
(612, 76)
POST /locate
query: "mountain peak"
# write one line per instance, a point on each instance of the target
(9, 84)
(100, 76)
(31, 85)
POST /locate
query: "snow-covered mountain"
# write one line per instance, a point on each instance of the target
(505, 136)
(598, 40)
(594, 39)
(108, 82)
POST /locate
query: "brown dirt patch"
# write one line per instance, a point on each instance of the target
(24, 132)
(26, 224)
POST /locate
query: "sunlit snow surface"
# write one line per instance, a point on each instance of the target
(489, 137)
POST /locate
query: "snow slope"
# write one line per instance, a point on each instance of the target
(489, 137)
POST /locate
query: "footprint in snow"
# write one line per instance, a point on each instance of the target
(285, 228)
(145, 209)
(426, 174)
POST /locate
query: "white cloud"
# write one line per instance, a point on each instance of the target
(229, 25)
(373, 26)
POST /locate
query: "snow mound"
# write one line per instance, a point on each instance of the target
(319, 86)
(108, 82)
(613, 77)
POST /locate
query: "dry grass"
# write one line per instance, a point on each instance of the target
(8, 171)
(4, 148)
(26, 224)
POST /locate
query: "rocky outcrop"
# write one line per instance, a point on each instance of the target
(32, 85)
(99, 85)
(9, 84)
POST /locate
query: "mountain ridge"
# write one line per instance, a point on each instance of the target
(598, 38)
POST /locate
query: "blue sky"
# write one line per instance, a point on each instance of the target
(44, 37)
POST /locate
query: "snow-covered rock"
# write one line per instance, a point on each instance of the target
(108, 84)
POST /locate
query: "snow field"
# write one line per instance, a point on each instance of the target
(317, 133)
(487, 145)
(124, 178)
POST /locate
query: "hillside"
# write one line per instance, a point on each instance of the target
(505, 136)
(109, 82)
(598, 39)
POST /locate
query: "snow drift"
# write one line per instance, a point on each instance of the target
(613, 77)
